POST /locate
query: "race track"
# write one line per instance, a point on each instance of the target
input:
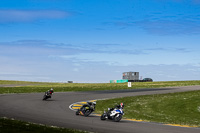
(56, 111)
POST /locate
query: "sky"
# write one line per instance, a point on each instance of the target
(94, 41)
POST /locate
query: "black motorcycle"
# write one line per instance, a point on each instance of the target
(86, 109)
(46, 95)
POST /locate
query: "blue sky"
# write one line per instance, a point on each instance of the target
(98, 40)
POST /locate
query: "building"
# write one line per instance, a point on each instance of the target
(131, 75)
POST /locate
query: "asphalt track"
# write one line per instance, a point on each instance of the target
(56, 111)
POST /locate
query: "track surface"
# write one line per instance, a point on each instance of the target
(55, 111)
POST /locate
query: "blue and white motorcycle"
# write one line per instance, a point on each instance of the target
(113, 114)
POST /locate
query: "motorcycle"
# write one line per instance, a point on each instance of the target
(113, 114)
(86, 109)
(46, 96)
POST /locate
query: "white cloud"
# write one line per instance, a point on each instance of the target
(38, 60)
(30, 15)
(75, 69)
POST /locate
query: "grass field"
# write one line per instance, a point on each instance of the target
(177, 108)
(63, 87)
(16, 126)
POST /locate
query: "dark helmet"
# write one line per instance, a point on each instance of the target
(122, 105)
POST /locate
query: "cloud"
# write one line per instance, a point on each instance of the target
(164, 25)
(105, 48)
(170, 27)
(75, 69)
(110, 54)
(176, 50)
(30, 15)
(33, 60)
(160, 23)
(38, 48)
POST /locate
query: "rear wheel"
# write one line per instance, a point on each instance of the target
(77, 112)
(87, 112)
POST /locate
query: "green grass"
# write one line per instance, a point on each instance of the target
(63, 87)
(16, 126)
(177, 108)
(10, 82)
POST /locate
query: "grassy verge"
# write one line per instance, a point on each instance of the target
(10, 82)
(177, 108)
(63, 87)
(15, 126)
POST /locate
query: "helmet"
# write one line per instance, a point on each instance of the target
(51, 89)
(94, 103)
(122, 105)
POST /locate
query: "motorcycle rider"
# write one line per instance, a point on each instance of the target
(50, 92)
(120, 106)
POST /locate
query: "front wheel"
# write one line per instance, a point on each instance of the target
(117, 117)
(103, 116)
(44, 97)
